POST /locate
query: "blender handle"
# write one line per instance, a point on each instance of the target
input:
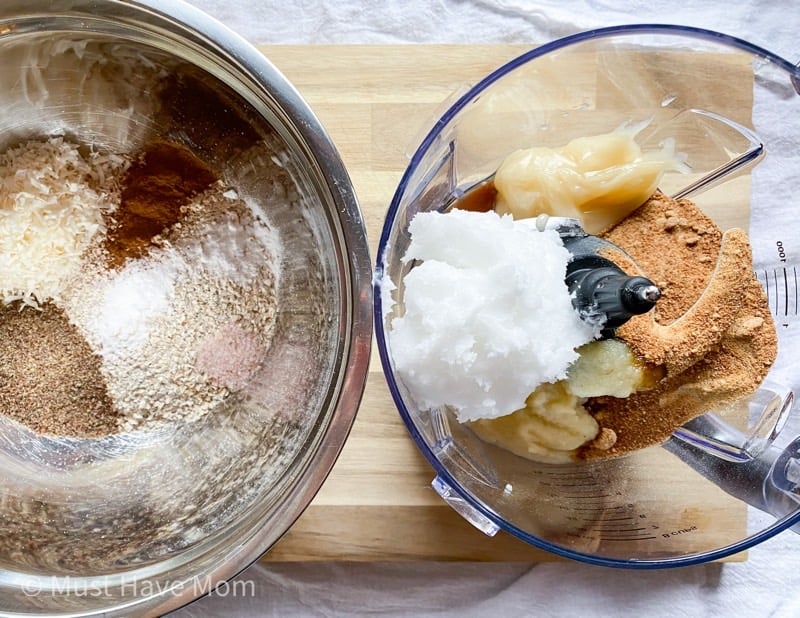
(784, 481)
(769, 482)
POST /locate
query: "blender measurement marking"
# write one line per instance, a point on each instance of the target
(593, 508)
(599, 529)
(586, 484)
(613, 538)
(780, 284)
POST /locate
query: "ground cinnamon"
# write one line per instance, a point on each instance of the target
(159, 182)
(199, 110)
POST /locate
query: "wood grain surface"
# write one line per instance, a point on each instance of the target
(378, 504)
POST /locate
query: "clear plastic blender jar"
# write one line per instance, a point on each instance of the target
(728, 479)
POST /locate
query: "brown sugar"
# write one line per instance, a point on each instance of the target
(711, 308)
(655, 236)
(711, 330)
(50, 380)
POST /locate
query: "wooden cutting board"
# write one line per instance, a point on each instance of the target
(378, 504)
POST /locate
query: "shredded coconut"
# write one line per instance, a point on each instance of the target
(487, 317)
(52, 202)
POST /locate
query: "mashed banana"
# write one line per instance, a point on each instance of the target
(550, 427)
(609, 368)
(554, 421)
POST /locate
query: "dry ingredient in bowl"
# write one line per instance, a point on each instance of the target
(50, 380)
(231, 356)
(160, 285)
(53, 203)
(157, 323)
(162, 179)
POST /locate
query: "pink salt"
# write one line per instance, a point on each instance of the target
(230, 357)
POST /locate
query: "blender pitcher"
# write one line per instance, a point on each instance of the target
(726, 480)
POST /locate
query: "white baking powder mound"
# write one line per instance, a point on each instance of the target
(487, 316)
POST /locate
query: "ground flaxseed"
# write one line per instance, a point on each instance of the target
(50, 380)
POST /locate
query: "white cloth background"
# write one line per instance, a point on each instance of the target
(768, 584)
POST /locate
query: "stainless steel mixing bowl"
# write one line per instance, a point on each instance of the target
(141, 523)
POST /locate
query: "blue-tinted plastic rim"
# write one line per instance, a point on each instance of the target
(658, 29)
